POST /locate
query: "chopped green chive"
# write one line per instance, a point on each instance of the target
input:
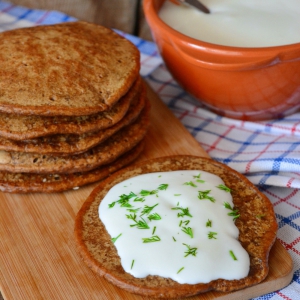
(154, 229)
(212, 235)
(203, 195)
(190, 250)
(209, 223)
(147, 209)
(163, 186)
(190, 183)
(154, 216)
(131, 217)
(115, 238)
(152, 239)
(139, 199)
(224, 188)
(197, 177)
(141, 224)
(188, 230)
(111, 205)
(232, 255)
(147, 193)
(184, 212)
(234, 212)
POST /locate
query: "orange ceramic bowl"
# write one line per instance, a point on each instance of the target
(241, 83)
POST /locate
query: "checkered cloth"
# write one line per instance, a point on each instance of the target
(266, 152)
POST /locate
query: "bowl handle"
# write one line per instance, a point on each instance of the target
(219, 61)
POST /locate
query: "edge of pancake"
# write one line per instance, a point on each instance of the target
(257, 235)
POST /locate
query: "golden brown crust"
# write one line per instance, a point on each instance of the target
(71, 144)
(257, 234)
(50, 183)
(71, 69)
(21, 127)
(104, 153)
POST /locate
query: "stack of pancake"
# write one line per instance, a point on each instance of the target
(73, 108)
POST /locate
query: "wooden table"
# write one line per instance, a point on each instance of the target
(38, 259)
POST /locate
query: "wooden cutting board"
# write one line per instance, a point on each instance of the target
(37, 252)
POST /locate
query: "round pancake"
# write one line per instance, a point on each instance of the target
(21, 127)
(70, 144)
(257, 234)
(121, 142)
(48, 183)
(73, 69)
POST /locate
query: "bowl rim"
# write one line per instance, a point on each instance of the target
(152, 17)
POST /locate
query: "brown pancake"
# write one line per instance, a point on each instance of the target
(70, 144)
(48, 183)
(121, 142)
(21, 127)
(72, 69)
(257, 234)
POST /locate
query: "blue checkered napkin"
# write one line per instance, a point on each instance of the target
(268, 152)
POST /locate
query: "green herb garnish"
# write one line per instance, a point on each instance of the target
(132, 263)
(190, 183)
(234, 212)
(111, 205)
(139, 199)
(209, 223)
(141, 224)
(174, 239)
(154, 216)
(232, 255)
(188, 230)
(147, 209)
(154, 229)
(153, 239)
(115, 238)
(212, 235)
(180, 270)
(147, 193)
(131, 217)
(190, 251)
(198, 178)
(184, 211)
(224, 188)
(163, 186)
(203, 195)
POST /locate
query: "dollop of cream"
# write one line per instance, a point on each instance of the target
(241, 23)
(175, 225)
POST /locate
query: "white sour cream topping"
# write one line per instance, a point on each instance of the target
(241, 23)
(168, 256)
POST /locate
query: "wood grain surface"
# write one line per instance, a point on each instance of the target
(38, 259)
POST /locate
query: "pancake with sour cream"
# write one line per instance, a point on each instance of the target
(247, 219)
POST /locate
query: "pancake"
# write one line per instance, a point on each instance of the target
(70, 69)
(121, 142)
(257, 234)
(48, 183)
(21, 127)
(70, 144)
